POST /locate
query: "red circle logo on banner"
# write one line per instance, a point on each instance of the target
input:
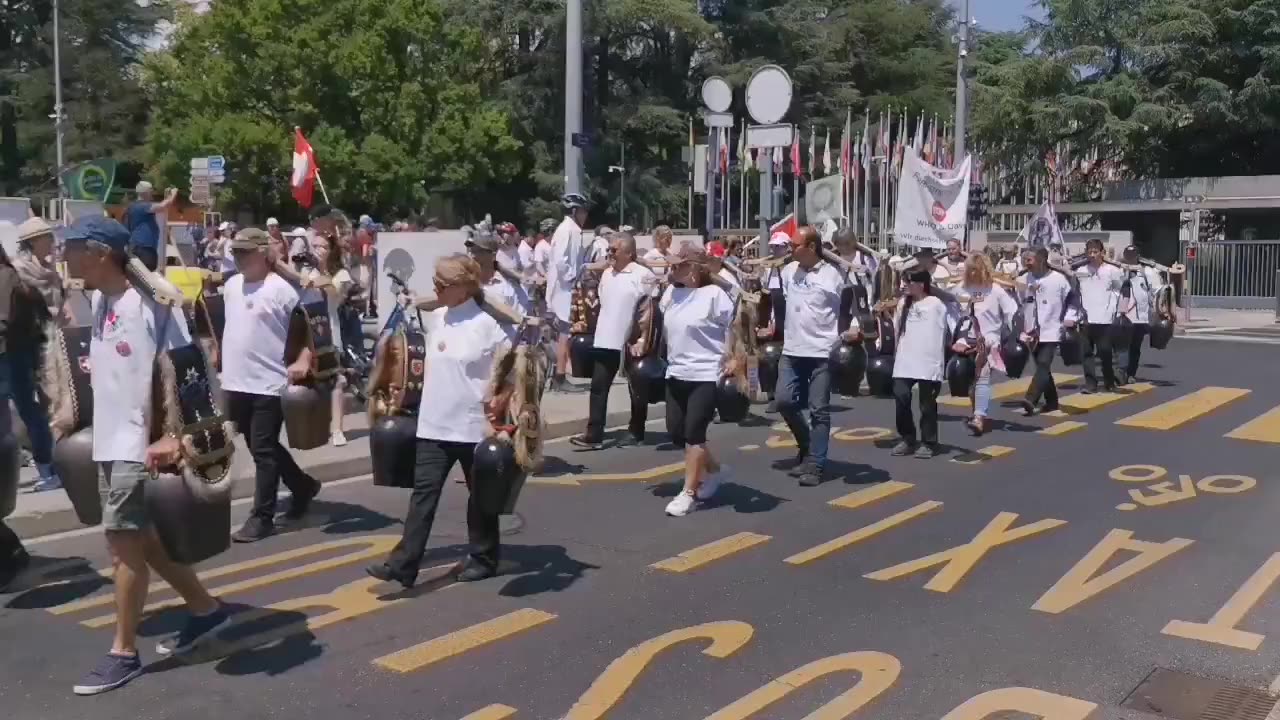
(939, 211)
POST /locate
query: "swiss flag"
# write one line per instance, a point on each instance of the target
(304, 169)
(787, 225)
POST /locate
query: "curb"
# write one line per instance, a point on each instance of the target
(29, 527)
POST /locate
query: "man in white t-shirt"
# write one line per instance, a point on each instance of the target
(259, 306)
(564, 266)
(129, 330)
(1100, 283)
(623, 287)
(484, 249)
(1138, 303)
(812, 288)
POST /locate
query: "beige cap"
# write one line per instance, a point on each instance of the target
(251, 239)
(32, 228)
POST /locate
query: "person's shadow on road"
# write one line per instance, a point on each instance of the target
(539, 569)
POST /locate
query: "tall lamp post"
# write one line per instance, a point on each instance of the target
(572, 95)
(622, 179)
(57, 102)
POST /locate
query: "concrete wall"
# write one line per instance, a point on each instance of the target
(1236, 186)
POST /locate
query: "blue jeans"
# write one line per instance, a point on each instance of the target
(806, 381)
(26, 396)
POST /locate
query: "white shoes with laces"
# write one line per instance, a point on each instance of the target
(682, 504)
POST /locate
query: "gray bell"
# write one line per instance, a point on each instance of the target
(73, 461)
(192, 518)
(10, 464)
(307, 415)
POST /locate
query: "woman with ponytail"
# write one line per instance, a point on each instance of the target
(921, 323)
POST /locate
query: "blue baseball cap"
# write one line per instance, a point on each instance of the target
(102, 230)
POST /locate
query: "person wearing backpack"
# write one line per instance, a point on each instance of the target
(38, 302)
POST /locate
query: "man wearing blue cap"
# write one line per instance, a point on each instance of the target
(129, 329)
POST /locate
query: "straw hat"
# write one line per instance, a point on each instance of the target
(32, 228)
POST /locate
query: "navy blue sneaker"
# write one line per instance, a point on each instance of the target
(199, 629)
(112, 672)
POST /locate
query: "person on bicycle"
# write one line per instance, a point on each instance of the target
(565, 265)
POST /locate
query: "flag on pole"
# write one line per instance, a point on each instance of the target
(795, 154)
(813, 143)
(866, 143)
(724, 151)
(304, 169)
(846, 145)
(926, 149)
(826, 155)
(1042, 230)
(777, 161)
(742, 149)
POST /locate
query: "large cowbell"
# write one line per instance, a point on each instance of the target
(73, 461)
(496, 477)
(308, 412)
(190, 507)
(65, 375)
(393, 436)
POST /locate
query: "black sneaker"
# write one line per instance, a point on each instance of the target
(1110, 387)
(253, 530)
(1122, 377)
(474, 572)
(1089, 388)
(1028, 408)
(1052, 407)
(16, 566)
(384, 573)
(586, 443)
(198, 630)
(112, 672)
(795, 468)
(629, 440)
(812, 475)
(300, 504)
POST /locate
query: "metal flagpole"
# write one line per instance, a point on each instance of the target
(866, 182)
(572, 95)
(57, 104)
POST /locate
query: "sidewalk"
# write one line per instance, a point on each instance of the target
(1206, 319)
(564, 414)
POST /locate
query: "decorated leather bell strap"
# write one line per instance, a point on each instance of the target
(186, 408)
(323, 344)
(74, 344)
(415, 354)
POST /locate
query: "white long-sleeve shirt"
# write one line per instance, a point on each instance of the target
(1050, 294)
(1100, 292)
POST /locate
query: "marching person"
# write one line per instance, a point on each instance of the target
(1139, 293)
(1010, 263)
(129, 330)
(993, 310)
(953, 261)
(1048, 308)
(258, 305)
(1100, 284)
(464, 343)
(144, 229)
(812, 288)
(226, 263)
(26, 334)
(661, 250)
(921, 323)
(696, 314)
(623, 287)
(330, 280)
(779, 246)
(509, 247)
(484, 248)
(564, 266)
(13, 557)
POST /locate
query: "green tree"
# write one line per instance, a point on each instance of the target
(392, 94)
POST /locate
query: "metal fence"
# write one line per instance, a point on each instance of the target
(1233, 274)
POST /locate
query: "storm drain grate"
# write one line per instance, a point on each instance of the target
(1180, 696)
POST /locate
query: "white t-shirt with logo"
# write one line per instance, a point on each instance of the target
(696, 325)
(620, 293)
(126, 331)
(1100, 292)
(813, 307)
(257, 324)
(921, 349)
(463, 342)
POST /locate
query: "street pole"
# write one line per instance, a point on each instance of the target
(962, 88)
(622, 173)
(713, 169)
(57, 103)
(572, 95)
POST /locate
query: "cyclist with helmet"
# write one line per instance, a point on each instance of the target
(509, 247)
(565, 265)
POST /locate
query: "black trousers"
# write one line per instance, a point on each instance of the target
(605, 369)
(1095, 344)
(1042, 384)
(10, 548)
(1132, 356)
(259, 418)
(432, 462)
(928, 409)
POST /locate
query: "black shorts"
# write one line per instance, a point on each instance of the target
(690, 409)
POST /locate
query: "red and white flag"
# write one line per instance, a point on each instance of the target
(304, 169)
(795, 154)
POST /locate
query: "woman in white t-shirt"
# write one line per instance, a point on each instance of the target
(696, 314)
(992, 309)
(331, 278)
(921, 322)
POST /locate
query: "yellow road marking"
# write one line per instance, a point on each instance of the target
(461, 641)
(1080, 583)
(1264, 428)
(650, 474)
(959, 560)
(877, 672)
(372, 546)
(749, 447)
(987, 453)
(704, 554)
(1221, 628)
(820, 551)
(1062, 428)
(1170, 415)
(868, 495)
(863, 434)
(493, 712)
(1080, 403)
(1044, 705)
(1007, 389)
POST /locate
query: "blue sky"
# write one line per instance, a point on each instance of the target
(999, 14)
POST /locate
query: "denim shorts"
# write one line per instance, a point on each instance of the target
(123, 487)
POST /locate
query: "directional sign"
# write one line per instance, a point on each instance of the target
(201, 163)
(200, 196)
(212, 176)
(217, 163)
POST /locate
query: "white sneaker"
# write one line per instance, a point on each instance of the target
(681, 505)
(711, 483)
(338, 439)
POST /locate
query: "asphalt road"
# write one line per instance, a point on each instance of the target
(1025, 578)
